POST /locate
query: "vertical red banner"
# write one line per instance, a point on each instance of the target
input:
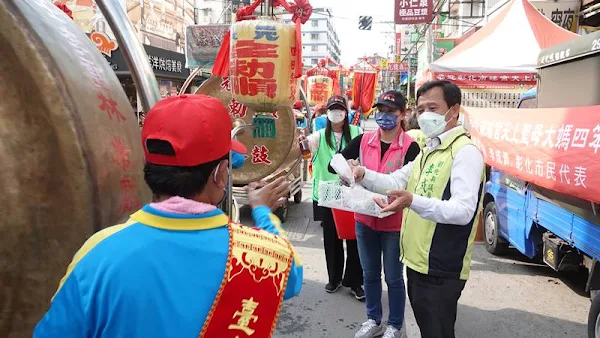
(363, 90)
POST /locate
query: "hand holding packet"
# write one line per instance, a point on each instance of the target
(341, 167)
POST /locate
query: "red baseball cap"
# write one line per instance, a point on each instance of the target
(197, 128)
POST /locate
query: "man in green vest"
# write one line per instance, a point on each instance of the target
(442, 193)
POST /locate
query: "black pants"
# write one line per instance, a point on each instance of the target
(434, 301)
(334, 252)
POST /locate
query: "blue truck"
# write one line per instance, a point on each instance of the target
(562, 230)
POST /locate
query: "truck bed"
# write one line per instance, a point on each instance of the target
(569, 218)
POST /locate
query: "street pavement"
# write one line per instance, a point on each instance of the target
(505, 297)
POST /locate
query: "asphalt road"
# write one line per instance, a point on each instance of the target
(505, 297)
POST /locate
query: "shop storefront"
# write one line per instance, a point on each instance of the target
(169, 69)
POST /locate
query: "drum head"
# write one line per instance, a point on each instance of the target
(265, 155)
(71, 150)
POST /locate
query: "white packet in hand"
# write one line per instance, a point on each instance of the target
(342, 168)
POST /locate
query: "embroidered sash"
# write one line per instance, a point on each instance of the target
(251, 293)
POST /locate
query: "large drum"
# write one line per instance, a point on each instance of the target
(265, 154)
(71, 155)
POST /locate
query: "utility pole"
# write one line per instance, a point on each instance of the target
(430, 49)
(408, 76)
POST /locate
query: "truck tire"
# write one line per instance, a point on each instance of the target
(594, 316)
(493, 243)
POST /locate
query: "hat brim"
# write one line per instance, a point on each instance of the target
(238, 147)
(337, 104)
(387, 104)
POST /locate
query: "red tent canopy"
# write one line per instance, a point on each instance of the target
(504, 51)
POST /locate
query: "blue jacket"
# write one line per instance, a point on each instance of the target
(156, 275)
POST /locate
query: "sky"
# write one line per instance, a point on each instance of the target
(355, 43)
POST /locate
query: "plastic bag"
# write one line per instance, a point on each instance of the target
(342, 168)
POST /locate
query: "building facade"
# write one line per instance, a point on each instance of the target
(319, 37)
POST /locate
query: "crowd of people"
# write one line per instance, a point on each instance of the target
(424, 160)
(179, 267)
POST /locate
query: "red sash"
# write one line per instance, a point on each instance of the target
(251, 294)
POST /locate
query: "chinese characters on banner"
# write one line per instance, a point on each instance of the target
(556, 148)
(488, 80)
(319, 89)
(408, 12)
(254, 62)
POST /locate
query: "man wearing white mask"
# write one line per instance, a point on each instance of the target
(323, 145)
(442, 192)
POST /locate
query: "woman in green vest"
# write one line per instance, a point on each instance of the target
(323, 145)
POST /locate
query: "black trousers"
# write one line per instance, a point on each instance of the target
(334, 252)
(434, 301)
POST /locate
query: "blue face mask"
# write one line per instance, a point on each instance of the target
(237, 160)
(386, 121)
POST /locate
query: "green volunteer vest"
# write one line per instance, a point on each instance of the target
(323, 156)
(418, 136)
(428, 247)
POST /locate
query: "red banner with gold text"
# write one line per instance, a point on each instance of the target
(556, 148)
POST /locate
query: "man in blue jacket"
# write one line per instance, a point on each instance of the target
(179, 267)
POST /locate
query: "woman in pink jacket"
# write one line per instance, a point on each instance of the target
(384, 150)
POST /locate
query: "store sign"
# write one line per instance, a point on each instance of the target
(397, 67)
(105, 45)
(203, 43)
(562, 13)
(398, 43)
(163, 62)
(442, 47)
(413, 11)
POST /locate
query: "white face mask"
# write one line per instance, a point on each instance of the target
(336, 115)
(432, 124)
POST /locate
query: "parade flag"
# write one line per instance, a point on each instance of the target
(555, 148)
(363, 90)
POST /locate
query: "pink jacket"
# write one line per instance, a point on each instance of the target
(370, 155)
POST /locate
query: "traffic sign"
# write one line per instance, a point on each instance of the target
(365, 23)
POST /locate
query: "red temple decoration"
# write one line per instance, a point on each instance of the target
(364, 87)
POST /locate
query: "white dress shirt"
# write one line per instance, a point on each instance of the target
(465, 181)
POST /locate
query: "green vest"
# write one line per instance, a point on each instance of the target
(426, 246)
(418, 136)
(323, 156)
